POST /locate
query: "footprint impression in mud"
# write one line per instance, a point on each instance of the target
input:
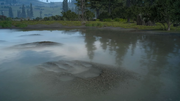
(36, 45)
(84, 76)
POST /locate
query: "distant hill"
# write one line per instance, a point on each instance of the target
(26, 2)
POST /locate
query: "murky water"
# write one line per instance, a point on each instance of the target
(89, 65)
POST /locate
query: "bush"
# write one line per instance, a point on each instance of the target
(89, 15)
(4, 18)
(88, 24)
(51, 18)
(97, 20)
(64, 19)
(94, 24)
(46, 19)
(107, 20)
(6, 24)
(21, 25)
(37, 19)
(100, 24)
(120, 20)
(71, 16)
(103, 15)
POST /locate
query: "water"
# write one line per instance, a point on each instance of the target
(89, 65)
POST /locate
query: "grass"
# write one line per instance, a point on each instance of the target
(65, 23)
(5, 24)
(128, 25)
(23, 24)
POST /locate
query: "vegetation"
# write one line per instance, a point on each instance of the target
(5, 24)
(146, 12)
(113, 23)
(70, 16)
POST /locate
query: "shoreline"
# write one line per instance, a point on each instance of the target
(57, 26)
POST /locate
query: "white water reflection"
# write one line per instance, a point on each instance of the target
(155, 59)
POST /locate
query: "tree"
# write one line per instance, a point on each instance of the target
(28, 13)
(19, 14)
(65, 6)
(109, 5)
(128, 3)
(83, 4)
(89, 15)
(69, 15)
(23, 15)
(167, 12)
(10, 12)
(97, 5)
(31, 11)
(40, 14)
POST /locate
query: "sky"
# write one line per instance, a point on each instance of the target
(51, 0)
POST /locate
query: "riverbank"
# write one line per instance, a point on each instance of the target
(40, 25)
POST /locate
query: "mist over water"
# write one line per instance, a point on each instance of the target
(89, 65)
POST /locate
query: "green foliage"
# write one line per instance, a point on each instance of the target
(4, 18)
(89, 15)
(55, 18)
(107, 20)
(97, 20)
(120, 20)
(100, 24)
(21, 25)
(64, 19)
(37, 19)
(5, 24)
(71, 16)
(94, 24)
(146, 12)
(103, 15)
(88, 24)
(46, 19)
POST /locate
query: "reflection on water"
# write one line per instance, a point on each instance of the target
(153, 60)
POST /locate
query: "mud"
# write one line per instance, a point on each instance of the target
(30, 35)
(84, 77)
(36, 45)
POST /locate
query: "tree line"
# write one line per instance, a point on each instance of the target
(23, 13)
(144, 12)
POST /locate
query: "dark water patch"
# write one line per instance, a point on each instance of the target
(36, 45)
(82, 77)
(30, 35)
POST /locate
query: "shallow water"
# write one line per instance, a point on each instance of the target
(89, 65)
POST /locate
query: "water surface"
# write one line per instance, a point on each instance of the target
(89, 65)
